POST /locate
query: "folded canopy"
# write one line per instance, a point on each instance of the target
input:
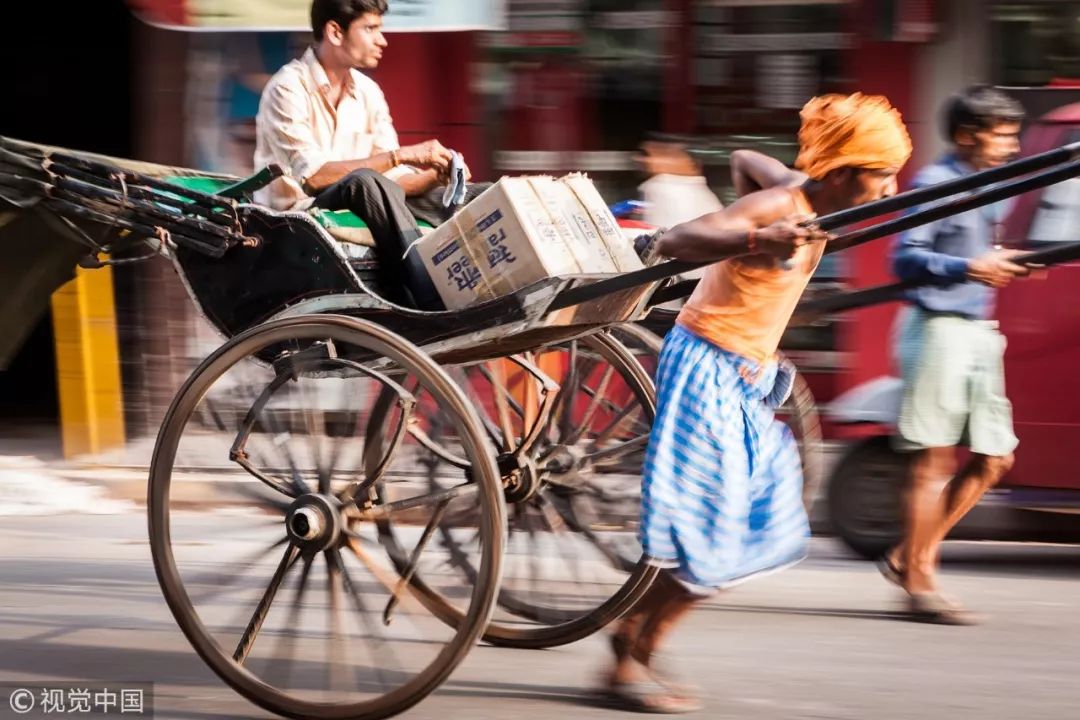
(57, 205)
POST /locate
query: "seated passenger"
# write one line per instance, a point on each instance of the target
(330, 126)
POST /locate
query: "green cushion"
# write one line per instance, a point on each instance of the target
(208, 185)
(346, 219)
(329, 219)
(337, 218)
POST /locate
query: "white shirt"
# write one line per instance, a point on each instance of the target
(298, 128)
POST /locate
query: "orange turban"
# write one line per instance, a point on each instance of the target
(862, 131)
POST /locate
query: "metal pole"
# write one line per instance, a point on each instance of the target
(1047, 257)
(661, 271)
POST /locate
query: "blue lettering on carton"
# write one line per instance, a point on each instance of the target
(498, 253)
(464, 274)
(490, 220)
(446, 252)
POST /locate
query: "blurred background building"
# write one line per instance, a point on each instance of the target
(519, 86)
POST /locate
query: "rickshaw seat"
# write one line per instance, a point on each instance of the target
(342, 225)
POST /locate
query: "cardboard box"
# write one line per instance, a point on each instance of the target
(620, 249)
(573, 220)
(503, 240)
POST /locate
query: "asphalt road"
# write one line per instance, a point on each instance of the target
(79, 601)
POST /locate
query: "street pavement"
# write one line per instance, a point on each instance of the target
(79, 601)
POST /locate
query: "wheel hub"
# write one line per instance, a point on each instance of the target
(523, 482)
(313, 522)
(563, 460)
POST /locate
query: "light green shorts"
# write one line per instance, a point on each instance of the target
(954, 384)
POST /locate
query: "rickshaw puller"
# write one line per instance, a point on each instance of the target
(722, 484)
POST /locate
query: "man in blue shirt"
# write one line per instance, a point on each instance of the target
(950, 352)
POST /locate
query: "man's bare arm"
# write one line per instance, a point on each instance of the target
(333, 171)
(752, 171)
(429, 155)
(727, 233)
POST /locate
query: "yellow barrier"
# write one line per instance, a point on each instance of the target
(88, 363)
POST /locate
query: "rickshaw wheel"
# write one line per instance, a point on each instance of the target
(315, 512)
(799, 412)
(573, 496)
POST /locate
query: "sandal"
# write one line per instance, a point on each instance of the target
(623, 648)
(891, 571)
(663, 675)
(647, 697)
(936, 609)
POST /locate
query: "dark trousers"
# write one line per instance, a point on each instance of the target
(391, 218)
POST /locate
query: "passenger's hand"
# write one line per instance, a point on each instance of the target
(426, 155)
(996, 268)
(444, 173)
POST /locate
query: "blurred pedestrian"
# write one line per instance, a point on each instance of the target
(950, 352)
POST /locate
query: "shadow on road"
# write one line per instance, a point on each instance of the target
(516, 691)
(33, 658)
(818, 612)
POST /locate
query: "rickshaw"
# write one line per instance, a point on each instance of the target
(391, 462)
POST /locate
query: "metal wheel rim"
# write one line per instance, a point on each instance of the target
(483, 596)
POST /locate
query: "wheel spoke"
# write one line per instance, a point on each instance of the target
(497, 381)
(414, 559)
(433, 447)
(383, 650)
(238, 452)
(287, 644)
(559, 527)
(223, 581)
(439, 497)
(565, 409)
(315, 425)
(209, 409)
(376, 462)
(606, 404)
(570, 517)
(251, 632)
(335, 677)
(616, 424)
(497, 373)
(595, 400)
(385, 578)
(617, 451)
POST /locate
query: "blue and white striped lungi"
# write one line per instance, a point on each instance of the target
(722, 485)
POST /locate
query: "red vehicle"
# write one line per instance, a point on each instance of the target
(1040, 317)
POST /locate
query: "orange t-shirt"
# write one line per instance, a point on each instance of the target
(743, 305)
